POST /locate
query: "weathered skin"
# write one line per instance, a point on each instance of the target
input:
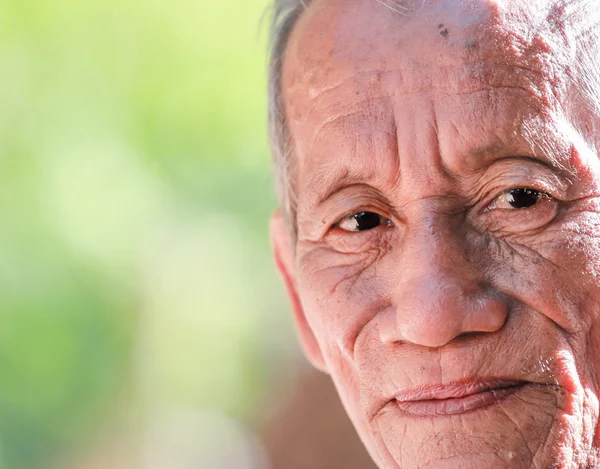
(427, 119)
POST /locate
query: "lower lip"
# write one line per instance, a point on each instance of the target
(458, 405)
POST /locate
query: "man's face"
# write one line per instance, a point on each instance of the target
(446, 271)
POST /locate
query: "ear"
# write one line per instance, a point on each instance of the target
(284, 253)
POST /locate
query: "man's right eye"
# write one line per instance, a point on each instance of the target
(362, 221)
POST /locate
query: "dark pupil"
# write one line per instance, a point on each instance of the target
(523, 198)
(367, 221)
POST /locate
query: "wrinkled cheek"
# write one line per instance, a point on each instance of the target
(339, 305)
(579, 409)
(558, 278)
(345, 376)
(592, 424)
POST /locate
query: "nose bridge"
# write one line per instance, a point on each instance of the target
(440, 293)
(436, 245)
(440, 266)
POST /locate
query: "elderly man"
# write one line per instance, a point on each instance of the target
(439, 229)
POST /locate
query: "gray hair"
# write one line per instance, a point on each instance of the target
(285, 15)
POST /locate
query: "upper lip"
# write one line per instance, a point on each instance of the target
(455, 389)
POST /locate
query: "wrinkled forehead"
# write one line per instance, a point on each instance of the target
(351, 35)
(454, 46)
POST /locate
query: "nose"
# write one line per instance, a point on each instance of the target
(440, 294)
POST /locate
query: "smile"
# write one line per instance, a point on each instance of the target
(456, 398)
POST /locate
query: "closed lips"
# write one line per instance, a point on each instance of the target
(456, 398)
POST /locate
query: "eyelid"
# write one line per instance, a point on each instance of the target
(539, 185)
(522, 172)
(352, 199)
(353, 204)
(542, 193)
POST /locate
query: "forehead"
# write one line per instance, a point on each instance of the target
(470, 43)
(355, 70)
(356, 33)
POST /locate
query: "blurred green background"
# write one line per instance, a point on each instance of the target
(141, 321)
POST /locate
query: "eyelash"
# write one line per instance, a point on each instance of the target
(365, 215)
(526, 191)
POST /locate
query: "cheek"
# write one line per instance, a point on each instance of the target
(556, 273)
(339, 302)
(340, 294)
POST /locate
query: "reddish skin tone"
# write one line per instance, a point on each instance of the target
(427, 120)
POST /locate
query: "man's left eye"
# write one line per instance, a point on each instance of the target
(519, 198)
(362, 221)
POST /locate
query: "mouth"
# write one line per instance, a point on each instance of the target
(456, 398)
